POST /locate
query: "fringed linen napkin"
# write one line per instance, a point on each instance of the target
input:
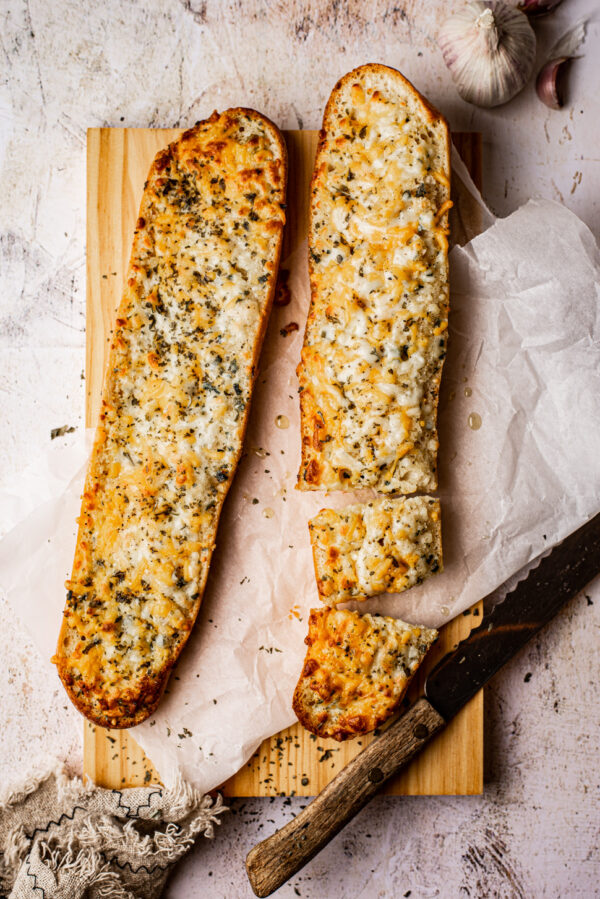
(63, 839)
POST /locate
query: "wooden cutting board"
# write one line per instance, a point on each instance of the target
(292, 762)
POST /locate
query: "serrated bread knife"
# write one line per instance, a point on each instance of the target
(449, 686)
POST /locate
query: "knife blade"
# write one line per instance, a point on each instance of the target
(513, 622)
(449, 686)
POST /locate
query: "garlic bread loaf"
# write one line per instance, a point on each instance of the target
(376, 332)
(175, 406)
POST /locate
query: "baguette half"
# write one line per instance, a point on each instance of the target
(376, 331)
(175, 406)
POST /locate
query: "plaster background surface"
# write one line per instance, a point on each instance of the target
(70, 65)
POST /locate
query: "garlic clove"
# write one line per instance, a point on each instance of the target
(535, 8)
(549, 83)
(550, 80)
(489, 47)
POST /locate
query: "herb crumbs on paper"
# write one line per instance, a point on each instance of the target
(60, 432)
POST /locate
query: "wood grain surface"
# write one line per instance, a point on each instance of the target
(278, 857)
(292, 762)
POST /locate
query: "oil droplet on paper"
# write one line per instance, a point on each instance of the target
(474, 421)
(282, 421)
(468, 391)
(268, 512)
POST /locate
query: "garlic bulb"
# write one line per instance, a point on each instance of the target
(489, 48)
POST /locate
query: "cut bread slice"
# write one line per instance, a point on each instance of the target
(383, 546)
(356, 671)
(376, 331)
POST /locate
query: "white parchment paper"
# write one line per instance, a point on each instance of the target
(524, 358)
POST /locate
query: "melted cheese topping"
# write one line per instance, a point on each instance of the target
(174, 409)
(384, 546)
(376, 332)
(356, 670)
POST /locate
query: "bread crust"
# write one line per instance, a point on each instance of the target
(129, 707)
(316, 471)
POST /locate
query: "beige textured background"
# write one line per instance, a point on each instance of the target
(68, 65)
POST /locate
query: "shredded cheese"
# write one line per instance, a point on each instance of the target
(356, 671)
(383, 546)
(375, 337)
(175, 403)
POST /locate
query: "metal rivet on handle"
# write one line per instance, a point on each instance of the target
(421, 731)
(375, 775)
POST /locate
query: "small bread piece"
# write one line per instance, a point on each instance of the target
(175, 404)
(378, 260)
(383, 546)
(356, 670)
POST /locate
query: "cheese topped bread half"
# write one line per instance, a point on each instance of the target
(378, 260)
(356, 670)
(383, 546)
(175, 405)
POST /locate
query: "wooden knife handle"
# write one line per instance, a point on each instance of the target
(272, 862)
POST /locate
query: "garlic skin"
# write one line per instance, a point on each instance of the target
(489, 48)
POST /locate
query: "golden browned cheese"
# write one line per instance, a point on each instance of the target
(356, 670)
(377, 327)
(175, 404)
(383, 546)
